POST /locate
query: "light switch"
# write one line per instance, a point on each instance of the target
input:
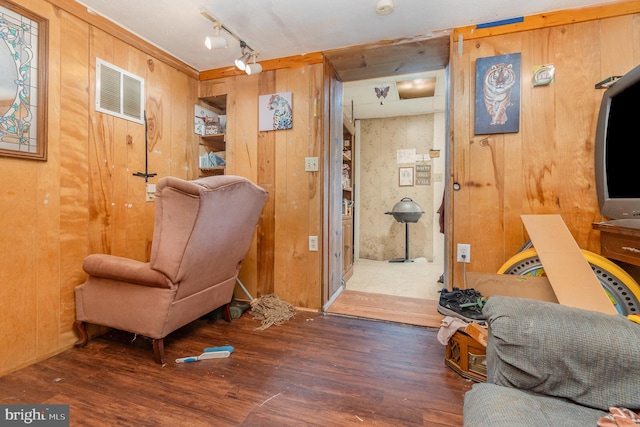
(313, 243)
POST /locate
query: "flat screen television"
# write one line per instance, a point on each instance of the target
(617, 164)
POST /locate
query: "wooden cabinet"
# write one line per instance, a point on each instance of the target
(211, 123)
(620, 240)
(348, 185)
(467, 357)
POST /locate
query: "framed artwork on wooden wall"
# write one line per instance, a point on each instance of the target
(405, 176)
(23, 73)
(274, 112)
(498, 94)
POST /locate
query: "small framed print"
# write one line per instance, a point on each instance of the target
(405, 176)
(423, 174)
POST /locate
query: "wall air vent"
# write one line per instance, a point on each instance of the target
(119, 92)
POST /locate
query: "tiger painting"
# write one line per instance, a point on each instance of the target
(498, 82)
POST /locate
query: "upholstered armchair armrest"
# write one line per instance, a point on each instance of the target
(587, 357)
(196, 187)
(124, 270)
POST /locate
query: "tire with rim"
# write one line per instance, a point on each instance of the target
(622, 289)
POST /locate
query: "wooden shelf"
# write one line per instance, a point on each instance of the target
(218, 170)
(214, 142)
(348, 134)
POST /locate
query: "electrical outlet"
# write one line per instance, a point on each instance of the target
(151, 193)
(313, 243)
(464, 252)
(311, 164)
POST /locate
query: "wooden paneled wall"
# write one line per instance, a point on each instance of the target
(547, 167)
(280, 261)
(84, 198)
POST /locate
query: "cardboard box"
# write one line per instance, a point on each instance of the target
(569, 278)
(511, 285)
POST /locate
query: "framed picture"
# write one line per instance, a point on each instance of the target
(274, 112)
(498, 94)
(23, 93)
(405, 176)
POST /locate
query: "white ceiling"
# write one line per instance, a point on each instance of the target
(362, 102)
(282, 28)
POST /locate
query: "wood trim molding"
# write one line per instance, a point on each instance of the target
(81, 12)
(552, 19)
(267, 65)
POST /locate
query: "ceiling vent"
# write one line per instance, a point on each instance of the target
(118, 92)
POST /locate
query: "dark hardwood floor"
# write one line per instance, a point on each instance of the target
(315, 370)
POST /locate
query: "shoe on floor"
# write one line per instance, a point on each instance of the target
(464, 304)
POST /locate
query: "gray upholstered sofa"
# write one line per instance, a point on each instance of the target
(553, 365)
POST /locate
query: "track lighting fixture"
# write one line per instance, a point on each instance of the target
(247, 61)
(217, 41)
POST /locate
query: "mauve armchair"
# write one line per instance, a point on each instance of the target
(202, 232)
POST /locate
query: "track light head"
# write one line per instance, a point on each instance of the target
(241, 62)
(217, 41)
(253, 67)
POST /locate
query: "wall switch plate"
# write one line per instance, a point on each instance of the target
(311, 164)
(313, 243)
(464, 253)
(151, 193)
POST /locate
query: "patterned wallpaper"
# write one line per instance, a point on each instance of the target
(381, 236)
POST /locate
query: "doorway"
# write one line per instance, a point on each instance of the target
(383, 129)
(392, 136)
(375, 62)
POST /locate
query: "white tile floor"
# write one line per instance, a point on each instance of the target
(417, 279)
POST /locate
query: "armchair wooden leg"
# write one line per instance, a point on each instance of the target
(158, 351)
(226, 312)
(80, 329)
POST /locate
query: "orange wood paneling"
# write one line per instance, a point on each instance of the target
(552, 19)
(84, 198)
(547, 167)
(74, 166)
(267, 164)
